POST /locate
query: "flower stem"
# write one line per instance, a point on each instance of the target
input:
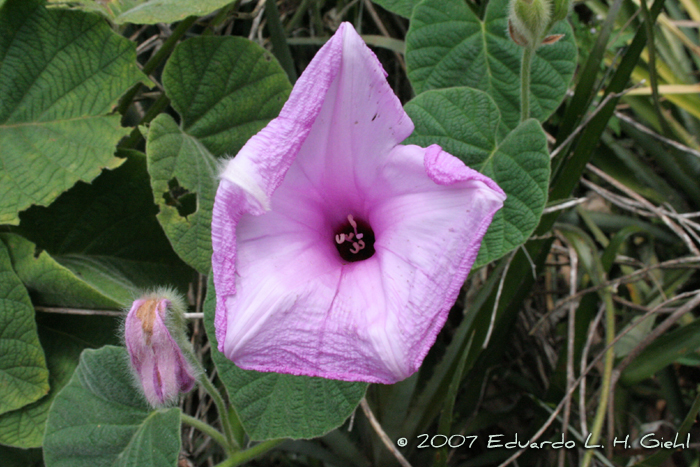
(207, 429)
(156, 60)
(607, 376)
(244, 456)
(525, 82)
(220, 407)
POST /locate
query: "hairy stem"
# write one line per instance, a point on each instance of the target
(220, 407)
(207, 429)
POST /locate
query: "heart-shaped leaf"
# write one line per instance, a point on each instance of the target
(225, 89)
(264, 401)
(24, 377)
(447, 45)
(465, 123)
(60, 74)
(99, 420)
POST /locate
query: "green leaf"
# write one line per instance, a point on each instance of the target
(99, 419)
(662, 352)
(400, 7)
(24, 428)
(145, 11)
(24, 377)
(62, 337)
(183, 173)
(264, 401)
(60, 74)
(225, 89)
(52, 283)
(104, 235)
(447, 45)
(465, 123)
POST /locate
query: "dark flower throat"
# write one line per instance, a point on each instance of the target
(354, 240)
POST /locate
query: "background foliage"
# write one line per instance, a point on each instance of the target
(578, 319)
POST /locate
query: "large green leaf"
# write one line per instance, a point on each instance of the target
(62, 337)
(105, 236)
(273, 405)
(24, 427)
(99, 419)
(448, 45)
(225, 89)
(465, 123)
(60, 74)
(145, 11)
(54, 284)
(400, 7)
(24, 377)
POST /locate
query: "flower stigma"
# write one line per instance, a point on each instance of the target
(355, 240)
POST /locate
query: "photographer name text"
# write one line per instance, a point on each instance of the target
(648, 441)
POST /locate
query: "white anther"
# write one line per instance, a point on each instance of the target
(357, 246)
(339, 238)
(354, 227)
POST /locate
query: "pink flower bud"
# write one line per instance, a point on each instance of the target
(161, 369)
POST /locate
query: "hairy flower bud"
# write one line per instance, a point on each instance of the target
(529, 19)
(560, 10)
(154, 333)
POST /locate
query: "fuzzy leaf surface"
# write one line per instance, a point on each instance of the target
(24, 377)
(447, 45)
(61, 72)
(24, 427)
(114, 426)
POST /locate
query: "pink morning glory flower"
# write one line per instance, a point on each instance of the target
(338, 252)
(160, 368)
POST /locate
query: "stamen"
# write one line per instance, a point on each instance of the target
(354, 226)
(355, 240)
(356, 247)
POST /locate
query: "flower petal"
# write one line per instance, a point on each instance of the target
(299, 309)
(432, 212)
(343, 86)
(286, 301)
